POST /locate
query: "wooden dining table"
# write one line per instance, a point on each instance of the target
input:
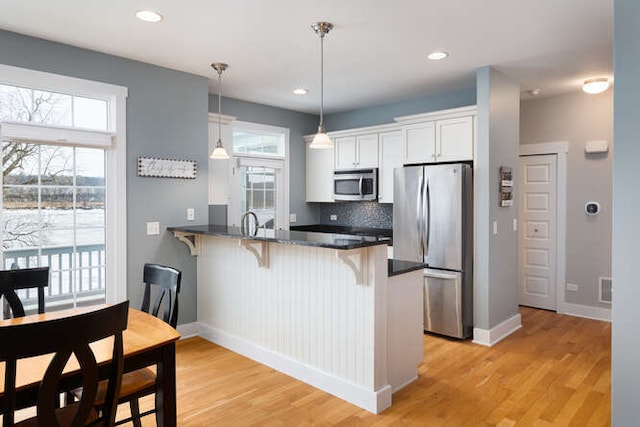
(148, 341)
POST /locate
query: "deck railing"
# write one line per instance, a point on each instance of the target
(81, 267)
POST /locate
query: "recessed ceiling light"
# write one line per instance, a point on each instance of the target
(148, 16)
(595, 85)
(300, 91)
(437, 55)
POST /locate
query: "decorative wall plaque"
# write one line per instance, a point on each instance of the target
(167, 168)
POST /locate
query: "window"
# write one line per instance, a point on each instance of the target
(258, 142)
(259, 179)
(23, 104)
(63, 187)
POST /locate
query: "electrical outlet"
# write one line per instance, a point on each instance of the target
(153, 228)
(495, 227)
(293, 217)
(572, 287)
(333, 217)
(191, 214)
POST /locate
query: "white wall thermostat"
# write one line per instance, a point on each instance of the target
(592, 208)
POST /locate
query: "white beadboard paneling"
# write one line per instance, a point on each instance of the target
(305, 306)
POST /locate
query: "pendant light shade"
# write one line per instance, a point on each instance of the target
(321, 140)
(219, 153)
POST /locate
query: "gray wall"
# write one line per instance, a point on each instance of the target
(299, 124)
(166, 117)
(496, 262)
(381, 114)
(625, 385)
(578, 118)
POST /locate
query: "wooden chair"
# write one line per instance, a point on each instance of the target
(63, 337)
(164, 282)
(25, 278)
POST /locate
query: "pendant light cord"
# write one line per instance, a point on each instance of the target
(321, 78)
(219, 105)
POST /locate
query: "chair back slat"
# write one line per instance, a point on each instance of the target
(167, 280)
(25, 278)
(65, 337)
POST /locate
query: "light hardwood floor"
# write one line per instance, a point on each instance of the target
(555, 371)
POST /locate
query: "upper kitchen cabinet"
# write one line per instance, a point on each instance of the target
(441, 136)
(356, 152)
(420, 143)
(390, 158)
(454, 139)
(319, 168)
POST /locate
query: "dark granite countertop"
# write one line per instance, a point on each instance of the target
(345, 229)
(398, 266)
(293, 237)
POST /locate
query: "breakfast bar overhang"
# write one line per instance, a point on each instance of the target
(327, 309)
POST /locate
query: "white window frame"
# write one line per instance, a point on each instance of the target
(115, 154)
(246, 159)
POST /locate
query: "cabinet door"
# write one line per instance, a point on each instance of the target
(390, 158)
(454, 139)
(345, 152)
(419, 145)
(367, 151)
(319, 184)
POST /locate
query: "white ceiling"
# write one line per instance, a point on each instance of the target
(375, 54)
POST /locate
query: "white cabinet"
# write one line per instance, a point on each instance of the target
(319, 177)
(356, 152)
(439, 141)
(390, 144)
(454, 139)
(420, 143)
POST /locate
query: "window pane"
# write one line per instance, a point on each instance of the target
(20, 218)
(56, 165)
(251, 142)
(20, 163)
(90, 167)
(16, 103)
(89, 113)
(51, 108)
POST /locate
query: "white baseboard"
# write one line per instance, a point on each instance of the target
(188, 330)
(587, 311)
(374, 401)
(494, 335)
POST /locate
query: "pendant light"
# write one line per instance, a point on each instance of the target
(219, 153)
(321, 140)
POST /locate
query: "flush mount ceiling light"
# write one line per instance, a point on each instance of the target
(148, 16)
(300, 91)
(595, 85)
(219, 153)
(534, 92)
(436, 55)
(321, 140)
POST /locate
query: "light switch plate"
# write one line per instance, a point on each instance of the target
(333, 217)
(292, 217)
(153, 228)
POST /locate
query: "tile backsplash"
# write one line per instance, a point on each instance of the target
(357, 214)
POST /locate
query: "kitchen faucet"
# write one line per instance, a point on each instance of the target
(243, 219)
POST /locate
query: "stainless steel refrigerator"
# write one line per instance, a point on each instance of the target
(433, 223)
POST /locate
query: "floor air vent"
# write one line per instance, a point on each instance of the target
(605, 289)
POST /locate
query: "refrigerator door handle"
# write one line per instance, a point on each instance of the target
(419, 207)
(427, 231)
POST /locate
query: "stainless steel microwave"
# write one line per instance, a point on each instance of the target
(355, 185)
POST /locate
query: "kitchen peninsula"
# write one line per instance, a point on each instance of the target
(327, 309)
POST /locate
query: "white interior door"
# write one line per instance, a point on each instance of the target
(538, 231)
